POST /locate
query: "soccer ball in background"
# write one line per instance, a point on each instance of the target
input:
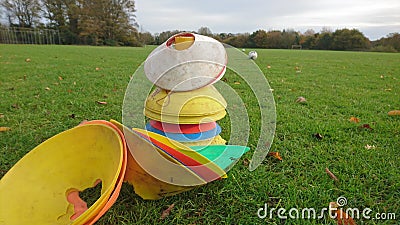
(253, 55)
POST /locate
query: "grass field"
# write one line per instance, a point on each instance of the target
(59, 87)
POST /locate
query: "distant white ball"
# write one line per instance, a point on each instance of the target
(253, 55)
(243, 50)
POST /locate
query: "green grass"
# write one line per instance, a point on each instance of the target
(337, 86)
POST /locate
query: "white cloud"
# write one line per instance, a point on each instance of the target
(247, 16)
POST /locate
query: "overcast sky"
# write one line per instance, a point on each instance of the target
(375, 18)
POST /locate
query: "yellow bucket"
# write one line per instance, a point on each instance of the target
(38, 189)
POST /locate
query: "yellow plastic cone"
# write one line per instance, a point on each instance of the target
(36, 190)
(217, 140)
(154, 173)
(200, 102)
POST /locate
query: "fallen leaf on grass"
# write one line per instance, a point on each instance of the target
(27, 60)
(237, 82)
(166, 212)
(301, 99)
(2, 129)
(246, 162)
(1, 115)
(366, 126)
(369, 147)
(269, 67)
(331, 174)
(354, 119)
(97, 69)
(338, 214)
(276, 155)
(394, 113)
(60, 78)
(47, 89)
(343, 218)
(318, 136)
(101, 103)
(388, 89)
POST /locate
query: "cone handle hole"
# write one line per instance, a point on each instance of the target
(181, 41)
(82, 200)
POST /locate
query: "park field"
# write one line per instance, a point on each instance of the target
(343, 125)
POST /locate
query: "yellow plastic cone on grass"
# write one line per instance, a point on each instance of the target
(42, 188)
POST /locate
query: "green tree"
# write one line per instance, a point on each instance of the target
(107, 22)
(145, 38)
(238, 40)
(345, 39)
(289, 38)
(393, 40)
(63, 15)
(308, 42)
(324, 41)
(96, 22)
(274, 39)
(222, 36)
(258, 39)
(163, 36)
(391, 43)
(308, 39)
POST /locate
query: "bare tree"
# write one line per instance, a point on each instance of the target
(204, 31)
(22, 13)
(309, 32)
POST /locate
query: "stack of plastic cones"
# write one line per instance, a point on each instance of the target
(44, 186)
(185, 105)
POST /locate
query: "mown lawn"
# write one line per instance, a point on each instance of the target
(59, 87)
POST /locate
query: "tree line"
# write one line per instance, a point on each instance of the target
(340, 39)
(113, 22)
(90, 22)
